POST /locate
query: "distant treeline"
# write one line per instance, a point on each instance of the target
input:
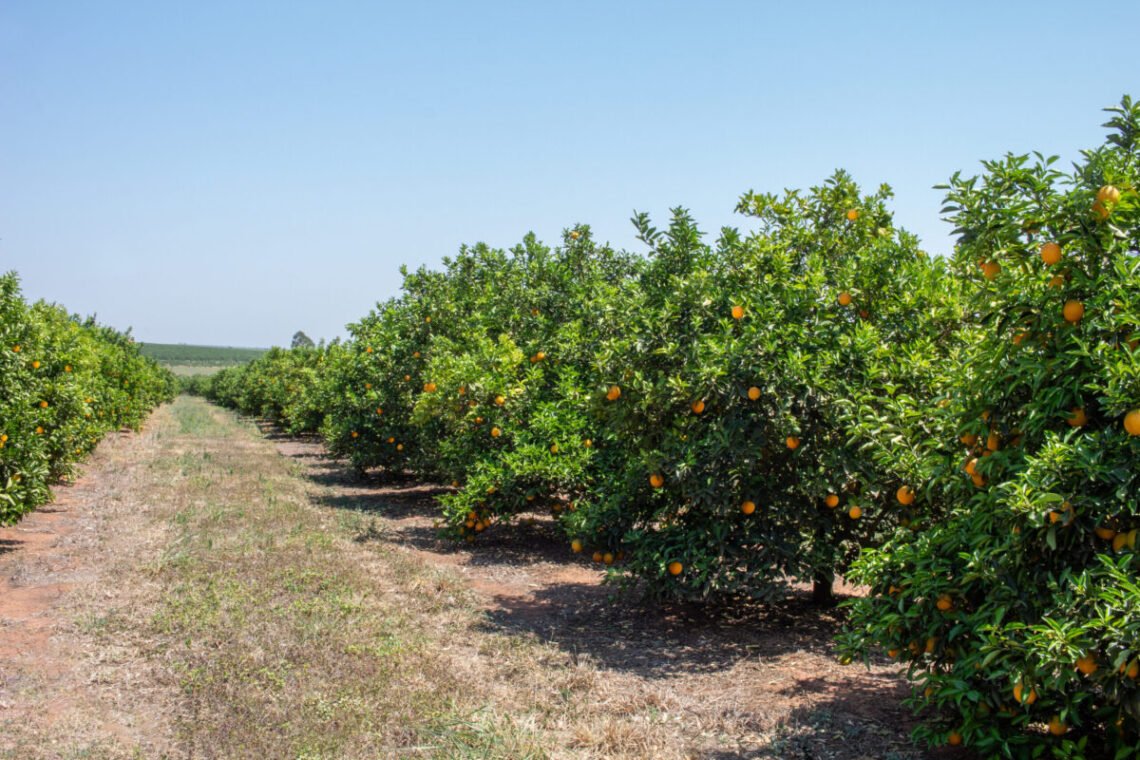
(181, 353)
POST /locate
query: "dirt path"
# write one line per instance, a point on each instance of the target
(67, 688)
(207, 589)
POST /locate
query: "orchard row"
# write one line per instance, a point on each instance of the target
(816, 396)
(64, 384)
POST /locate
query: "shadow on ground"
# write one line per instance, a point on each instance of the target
(843, 713)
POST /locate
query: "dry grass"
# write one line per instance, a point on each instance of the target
(272, 624)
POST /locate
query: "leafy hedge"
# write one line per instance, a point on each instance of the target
(718, 420)
(64, 383)
(1018, 613)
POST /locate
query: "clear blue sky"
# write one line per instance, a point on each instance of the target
(228, 173)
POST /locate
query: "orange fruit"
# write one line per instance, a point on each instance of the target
(1099, 210)
(1108, 194)
(1019, 691)
(944, 603)
(991, 269)
(748, 507)
(792, 442)
(738, 312)
(993, 441)
(574, 235)
(499, 401)
(399, 447)
(495, 432)
(427, 320)
(608, 558)
(1077, 417)
(1073, 311)
(844, 299)
(478, 420)
(832, 500)
(587, 443)
(656, 480)
(355, 434)
(954, 739)
(1105, 534)
(1133, 670)
(969, 439)
(1132, 422)
(16, 349)
(368, 350)
(698, 407)
(554, 448)
(1057, 726)
(576, 546)
(1058, 281)
(675, 568)
(855, 512)
(429, 387)
(852, 214)
(407, 378)
(43, 405)
(905, 495)
(614, 393)
(1087, 664)
(597, 557)
(971, 467)
(979, 481)
(894, 653)
(540, 356)
(1020, 336)
(67, 368)
(931, 645)
(1051, 253)
(391, 440)
(379, 410)
(753, 393)
(36, 364)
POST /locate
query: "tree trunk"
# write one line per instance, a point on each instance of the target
(821, 592)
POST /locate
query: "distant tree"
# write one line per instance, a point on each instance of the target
(300, 340)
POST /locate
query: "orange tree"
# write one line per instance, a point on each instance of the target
(280, 385)
(371, 383)
(506, 387)
(64, 383)
(729, 469)
(1018, 613)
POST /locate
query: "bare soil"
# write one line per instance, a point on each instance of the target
(72, 683)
